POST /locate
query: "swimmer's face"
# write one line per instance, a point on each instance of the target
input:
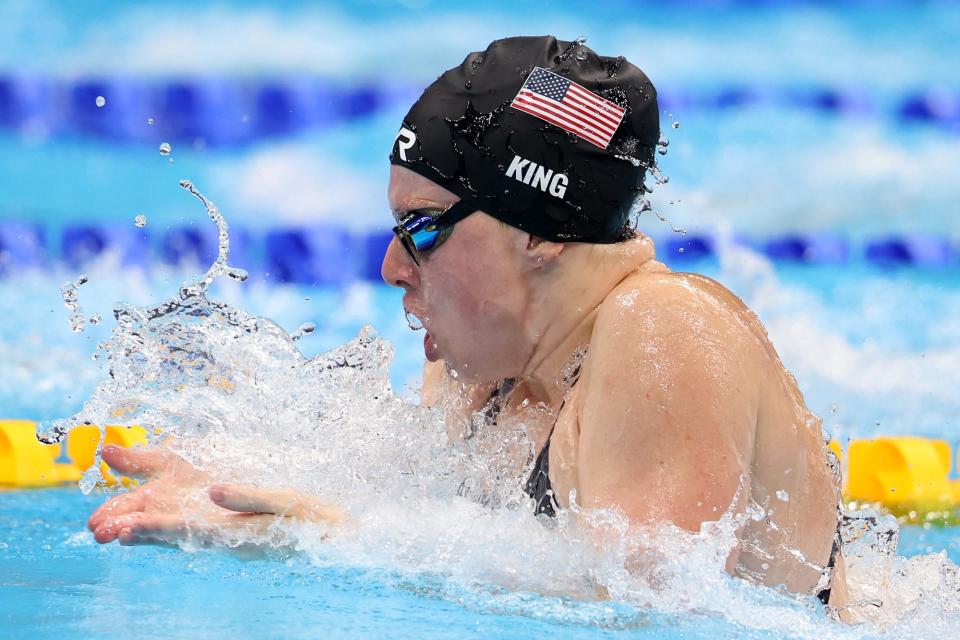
(470, 292)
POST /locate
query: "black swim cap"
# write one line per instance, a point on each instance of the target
(542, 134)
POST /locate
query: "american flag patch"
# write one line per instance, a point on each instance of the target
(566, 104)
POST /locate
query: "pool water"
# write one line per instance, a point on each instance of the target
(56, 582)
(794, 119)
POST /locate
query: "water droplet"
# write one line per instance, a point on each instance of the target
(101, 101)
(676, 125)
(413, 321)
(140, 220)
(467, 84)
(303, 330)
(169, 160)
(165, 148)
(69, 291)
(91, 477)
(681, 250)
(662, 151)
(783, 496)
(580, 55)
(150, 121)
(95, 318)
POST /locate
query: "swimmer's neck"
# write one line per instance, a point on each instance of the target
(565, 302)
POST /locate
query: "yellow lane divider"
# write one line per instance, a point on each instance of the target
(27, 462)
(908, 475)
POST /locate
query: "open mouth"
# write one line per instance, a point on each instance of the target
(413, 321)
(416, 324)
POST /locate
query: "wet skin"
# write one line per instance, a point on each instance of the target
(681, 397)
(681, 400)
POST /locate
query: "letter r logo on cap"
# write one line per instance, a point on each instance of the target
(405, 140)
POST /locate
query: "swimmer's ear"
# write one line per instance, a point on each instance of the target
(541, 252)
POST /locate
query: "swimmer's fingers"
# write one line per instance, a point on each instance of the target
(111, 528)
(152, 529)
(137, 463)
(117, 506)
(281, 502)
(233, 530)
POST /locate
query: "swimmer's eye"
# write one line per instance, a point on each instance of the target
(422, 230)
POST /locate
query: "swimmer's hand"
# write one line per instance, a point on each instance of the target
(179, 505)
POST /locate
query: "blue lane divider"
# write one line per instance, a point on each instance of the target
(224, 111)
(374, 248)
(687, 248)
(813, 247)
(333, 256)
(81, 245)
(932, 106)
(22, 246)
(312, 256)
(912, 248)
(188, 246)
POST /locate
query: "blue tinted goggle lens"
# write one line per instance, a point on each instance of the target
(423, 232)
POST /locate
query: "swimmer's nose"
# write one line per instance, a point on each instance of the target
(398, 269)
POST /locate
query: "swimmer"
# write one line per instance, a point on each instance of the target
(512, 180)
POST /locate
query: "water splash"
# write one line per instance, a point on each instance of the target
(662, 145)
(449, 518)
(219, 266)
(304, 329)
(70, 292)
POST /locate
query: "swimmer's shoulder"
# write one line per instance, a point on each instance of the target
(689, 311)
(665, 315)
(670, 293)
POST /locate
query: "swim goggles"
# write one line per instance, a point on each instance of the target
(421, 231)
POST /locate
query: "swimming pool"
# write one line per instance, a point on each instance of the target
(56, 581)
(810, 180)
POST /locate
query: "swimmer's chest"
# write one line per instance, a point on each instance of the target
(562, 429)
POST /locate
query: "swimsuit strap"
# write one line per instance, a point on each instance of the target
(538, 484)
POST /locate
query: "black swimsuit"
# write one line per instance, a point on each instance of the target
(538, 484)
(824, 594)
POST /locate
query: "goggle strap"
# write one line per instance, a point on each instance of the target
(458, 211)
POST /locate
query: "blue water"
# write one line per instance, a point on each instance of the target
(794, 118)
(56, 582)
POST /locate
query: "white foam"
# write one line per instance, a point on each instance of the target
(246, 405)
(900, 376)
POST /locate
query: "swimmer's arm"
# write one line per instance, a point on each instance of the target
(668, 412)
